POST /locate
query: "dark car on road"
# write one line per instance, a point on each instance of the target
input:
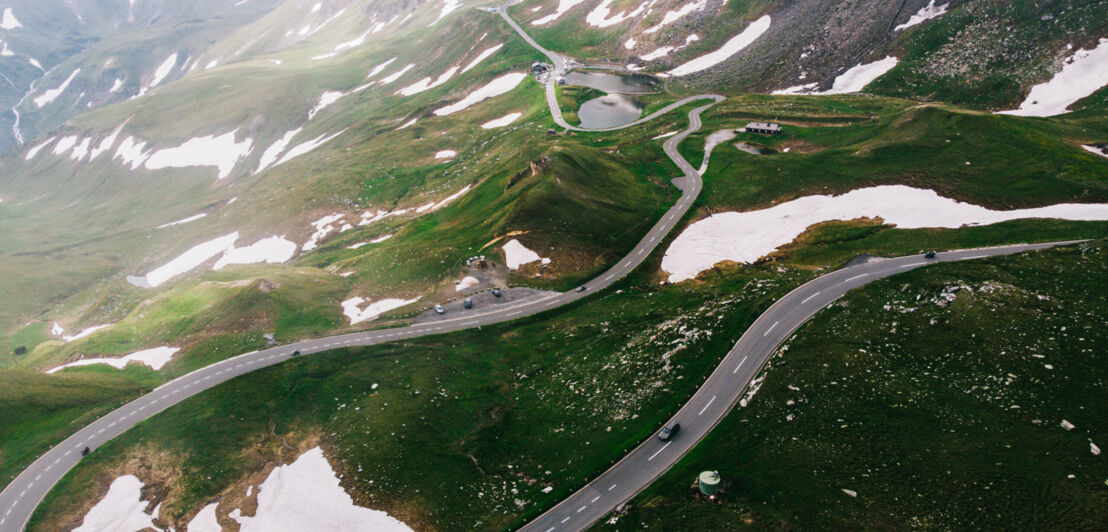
(85, 451)
(582, 288)
(496, 292)
(669, 430)
(295, 353)
(929, 255)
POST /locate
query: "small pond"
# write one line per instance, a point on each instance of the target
(609, 111)
(614, 83)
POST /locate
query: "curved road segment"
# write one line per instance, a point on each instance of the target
(23, 494)
(726, 385)
(710, 403)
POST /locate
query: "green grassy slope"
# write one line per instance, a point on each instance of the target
(936, 396)
(458, 421)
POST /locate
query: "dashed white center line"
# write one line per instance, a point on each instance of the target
(594, 499)
(912, 265)
(771, 328)
(581, 509)
(551, 529)
(516, 313)
(656, 453)
(707, 405)
(977, 257)
(563, 520)
(857, 277)
(736, 370)
(612, 487)
(809, 298)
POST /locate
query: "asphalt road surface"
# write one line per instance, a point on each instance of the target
(20, 497)
(23, 494)
(727, 384)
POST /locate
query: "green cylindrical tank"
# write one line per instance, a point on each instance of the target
(708, 482)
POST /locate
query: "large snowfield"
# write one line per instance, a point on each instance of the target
(748, 236)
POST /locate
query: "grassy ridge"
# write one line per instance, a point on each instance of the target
(838, 144)
(937, 396)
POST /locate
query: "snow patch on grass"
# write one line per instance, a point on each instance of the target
(352, 308)
(482, 56)
(377, 69)
(426, 83)
(448, 6)
(730, 48)
(33, 152)
(205, 520)
(563, 7)
(122, 508)
(496, 87)
(306, 495)
(466, 282)
(925, 13)
(52, 94)
(274, 150)
(748, 236)
(673, 15)
(396, 75)
(9, 22)
(599, 16)
(183, 220)
(272, 250)
(222, 152)
(155, 358)
(305, 147)
(516, 255)
(1083, 73)
(502, 121)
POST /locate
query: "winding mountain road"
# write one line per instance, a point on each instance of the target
(633, 473)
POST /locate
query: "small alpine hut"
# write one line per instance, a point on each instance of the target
(765, 128)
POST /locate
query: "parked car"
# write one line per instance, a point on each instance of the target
(929, 255)
(439, 309)
(85, 451)
(669, 430)
(468, 303)
(582, 288)
(496, 292)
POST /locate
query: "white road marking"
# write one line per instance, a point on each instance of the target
(912, 265)
(551, 529)
(659, 450)
(736, 370)
(612, 487)
(707, 405)
(516, 313)
(563, 520)
(581, 509)
(857, 277)
(112, 424)
(641, 251)
(594, 499)
(977, 257)
(770, 328)
(809, 298)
